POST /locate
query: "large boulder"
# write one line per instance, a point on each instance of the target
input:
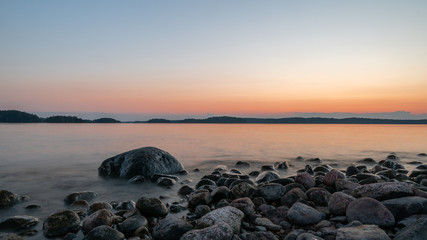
(383, 191)
(302, 214)
(369, 211)
(220, 230)
(230, 215)
(171, 228)
(8, 199)
(145, 161)
(406, 206)
(416, 231)
(60, 223)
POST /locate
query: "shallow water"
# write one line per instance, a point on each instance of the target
(49, 161)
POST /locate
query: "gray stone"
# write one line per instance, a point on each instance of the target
(362, 232)
(98, 218)
(244, 204)
(406, 206)
(171, 228)
(198, 197)
(265, 222)
(201, 210)
(98, 206)
(338, 203)
(105, 233)
(271, 192)
(243, 189)
(17, 223)
(308, 236)
(87, 196)
(416, 231)
(10, 236)
(8, 199)
(220, 230)
(369, 211)
(230, 215)
(319, 196)
(306, 180)
(302, 214)
(332, 176)
(291, 197)
(137, 179)
(277, 215)
(130, 225)
(151, 207)
(383, 191)
(266, 176)
(60, 223)
(145, 161)
(261, 236)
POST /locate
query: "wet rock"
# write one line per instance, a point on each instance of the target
(171, 228)
(414, 173)
(319, 196)
(254, 173)
(199, 197)
(10, 236)
(220, 230)
(306, 180)
(98, 218)
(383, 191)
(201, 210)
(351, 170)
(368, 161)
(277, 215)
(391, 174)
(244, 204)
(362, 232)
(406, 206)
(282, 166)
(105, 233)
(130, 225)
(266, 176)
(243, 189)
(283, 181)
(271, 192)
(18, 223)
(416, 231)
(98, 206)
(145, 161)
(392, 164)
(8, 199)
(302, 214)
(220, 193)
(261, 235)
(308, 236)
(125, 205)
(205, 182)
(80, 204)
(60, 223)
(338, 203)
(137, 179)
(87, 196)
(176, 208)
(292, 196)
(243, 164)
(369, 211)
(265, 222)
(185, 190)
(230, 215)
(267, 168)
(166, 182)
(151, 207)
(332, 176)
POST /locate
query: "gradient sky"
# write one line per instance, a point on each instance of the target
(219, 57)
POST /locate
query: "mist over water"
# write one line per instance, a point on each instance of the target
(49, 161)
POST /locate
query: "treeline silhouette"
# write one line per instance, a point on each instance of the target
(14, 116)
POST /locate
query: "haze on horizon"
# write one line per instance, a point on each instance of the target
(191, 58)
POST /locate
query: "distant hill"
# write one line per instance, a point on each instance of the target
(14, 116)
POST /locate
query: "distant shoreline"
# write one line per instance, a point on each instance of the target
(14, 116)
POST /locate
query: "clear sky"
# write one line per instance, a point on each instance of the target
(219, 57)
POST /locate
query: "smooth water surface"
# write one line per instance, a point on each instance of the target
(49, 161)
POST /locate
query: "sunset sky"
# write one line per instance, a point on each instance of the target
(213, 57)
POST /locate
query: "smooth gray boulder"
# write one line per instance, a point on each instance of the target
(369, 211)
(383, 191)
(302, 214)
(105, 233)
(145, 161)
(416, 231)
(171, 228)
(60, 223)
(230, 215)
(406, 206)
(362, 232)
(220, 230)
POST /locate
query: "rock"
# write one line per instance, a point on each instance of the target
(261, 236)
(277, 215)
(302, 214)
(80, 204)
(244, 204)
(205, 182)
(383, 191)
(137, 179)
(266, 176)
(8, 199)
(176, 208)
(201, 210)
(369, 211)
(332, 176)
(151, 207)
(267, 168)
(319, 196)
(98, 218)
(305, 179)
(171, 228)
(291, 197)
(338, 203)
(18, 223)
(230, 215)
(60, 223)
(185, 190)
(220, 193)
(392, 164)
(243, 189)
(414, 173)
(145, 161)
(341, 185)
(105, 233)
(406, 206)
(125, 205)
(166, 182)
(294, 234)
(198, 197)
(10, 236)
(282, 166)
(265, 222)
(243, 164)
(362, 232)
(98, 206)
(220, 230)
(368, 161)
(130, 225)
(308, 236)
(283, 181)
(87, 196)
(271, 192)
(416, 231)
(351, 170)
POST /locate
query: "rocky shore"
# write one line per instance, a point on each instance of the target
(367, 200)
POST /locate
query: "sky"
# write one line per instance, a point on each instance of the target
(203, 58)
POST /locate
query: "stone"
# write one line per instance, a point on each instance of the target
(283, 181)
(176, 208)
(18, 223)
(416, 231)
(267, 168)
(125, 205)
(205, 182)
(10, 236)
(302, 214)
(308, 236)
(406, 206)
(265, 222)
(243, 164)
(243, 189)
(145, 161)
(151, 207)
(338, 203)
(292, 196)
(219, 193)
(220, 230)
(166, 181)
(171, 228)
(369, 211)
(261, 235)
(198, 197)
(383, 191)
(185, 190)
(351, 170)
(271, 192)
(244, 204)
(277, 215)
(105, 233)
(230, 215)
(80, 204)
(61, 223)
(98, 218)
(87, 196)
(332, 176)
(342, 184)
(201, 210)
(8, 199)
(129, 226)
(266, 176)
(306, 180)
(368, 161)
(98, 206)
(319, 196)
(362, 232)
(283, 165)
(136, 179)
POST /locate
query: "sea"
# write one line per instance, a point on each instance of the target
(49, 161)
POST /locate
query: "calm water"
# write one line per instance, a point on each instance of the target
(49, 161)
